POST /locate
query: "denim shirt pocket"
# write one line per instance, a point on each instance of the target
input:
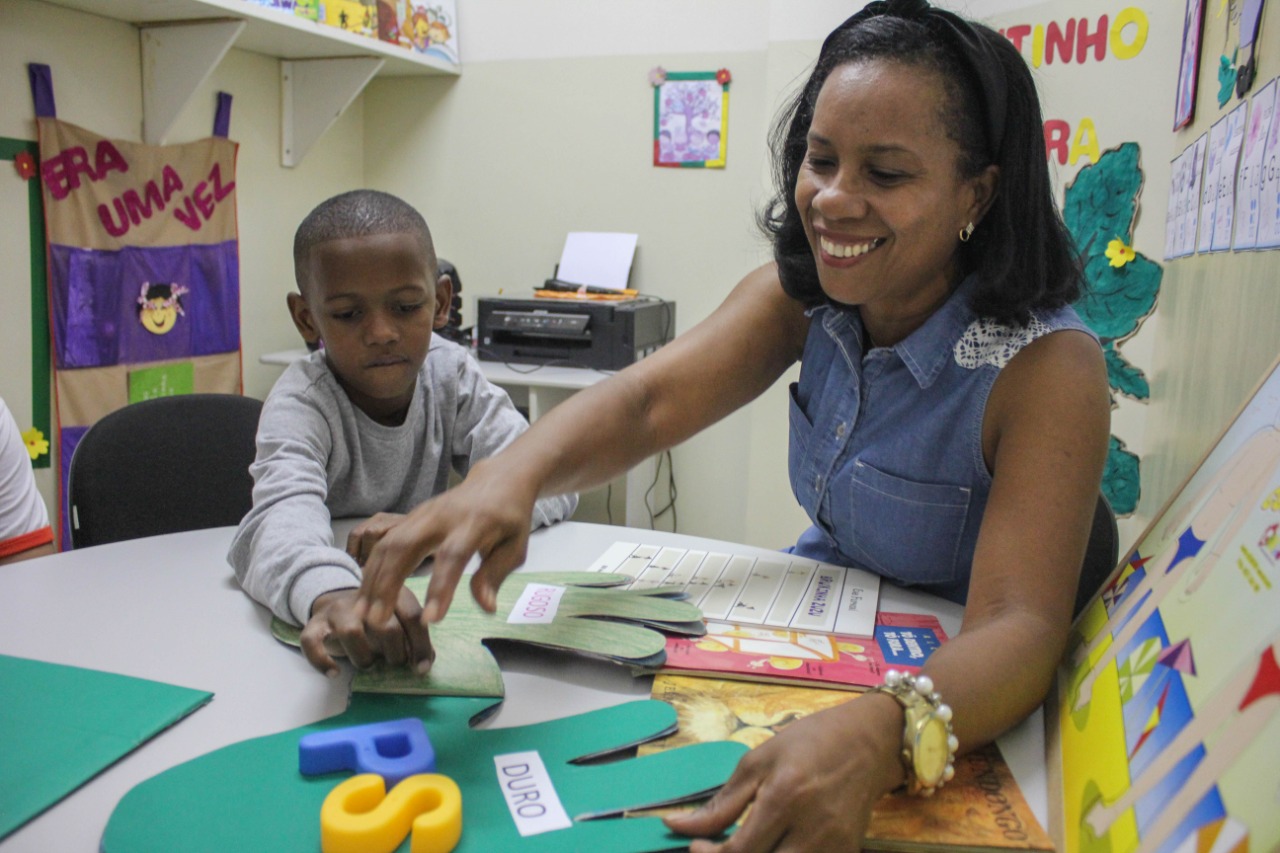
(799, 461)
(908, 531)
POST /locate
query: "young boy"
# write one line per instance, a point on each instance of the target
(371, 422)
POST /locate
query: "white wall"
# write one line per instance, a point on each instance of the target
(96, 69)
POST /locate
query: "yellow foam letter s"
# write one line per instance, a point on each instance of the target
(359, 816)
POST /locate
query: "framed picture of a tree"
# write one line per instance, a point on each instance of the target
(690, 118)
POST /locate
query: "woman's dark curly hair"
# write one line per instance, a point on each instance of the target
(1024, 256)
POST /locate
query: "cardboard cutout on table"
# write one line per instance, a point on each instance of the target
(62, 725)
(588, 617)
(250, 796)
(144, 270)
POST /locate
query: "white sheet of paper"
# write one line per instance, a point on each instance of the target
(1171, 209)
(1209, 188)
(1195, 168)
(1249, 184)
(1228, 171)
(598, 259)
(1269, 197)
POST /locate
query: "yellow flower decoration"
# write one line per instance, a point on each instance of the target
(37, 444)
(1120, 254)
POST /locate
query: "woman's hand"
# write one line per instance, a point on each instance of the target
(487, 514)
(810, 787)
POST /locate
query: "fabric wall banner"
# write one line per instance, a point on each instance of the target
(144, 270)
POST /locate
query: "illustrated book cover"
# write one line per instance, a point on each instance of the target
(902, 641)
(980, 810)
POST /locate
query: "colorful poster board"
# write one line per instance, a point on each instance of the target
(143, 267)
(1167, 729)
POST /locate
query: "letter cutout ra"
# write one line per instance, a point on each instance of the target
(360, 816)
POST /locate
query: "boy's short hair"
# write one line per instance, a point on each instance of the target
(358, 213)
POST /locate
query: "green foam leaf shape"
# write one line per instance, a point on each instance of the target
(592, 619)
(250, 796)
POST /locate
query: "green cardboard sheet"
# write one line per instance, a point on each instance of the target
(250, 796)
(62, 725)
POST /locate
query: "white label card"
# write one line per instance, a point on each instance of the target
(530, 796)
(537, 605)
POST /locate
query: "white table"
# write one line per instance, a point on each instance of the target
(537, 389)
(168, 608)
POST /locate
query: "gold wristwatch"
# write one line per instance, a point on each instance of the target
(928, 745)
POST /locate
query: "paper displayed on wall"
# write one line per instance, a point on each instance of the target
(1247, 73)
(1168, 700)
(690, 118)
(144, 265)
(1269, 195)
(1184, 198)
(1189, 67)
(1250, 179)
(1223, 187)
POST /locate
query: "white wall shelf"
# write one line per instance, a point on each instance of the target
(184, 40)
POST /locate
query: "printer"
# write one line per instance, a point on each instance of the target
(572, 333)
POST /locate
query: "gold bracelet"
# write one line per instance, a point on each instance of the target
(928, 744)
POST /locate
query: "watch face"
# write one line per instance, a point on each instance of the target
(931, 752)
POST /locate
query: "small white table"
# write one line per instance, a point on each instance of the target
(168, 608)
(537, 389)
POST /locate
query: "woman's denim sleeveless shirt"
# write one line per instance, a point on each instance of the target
(886, 448)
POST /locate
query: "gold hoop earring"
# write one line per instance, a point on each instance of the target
(967, 232)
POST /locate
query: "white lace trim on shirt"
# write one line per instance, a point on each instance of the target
(989, 342)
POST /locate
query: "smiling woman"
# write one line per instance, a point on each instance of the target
(947, 431)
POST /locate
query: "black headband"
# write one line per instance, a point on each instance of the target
(976, 52)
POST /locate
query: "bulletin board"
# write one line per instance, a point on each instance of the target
(1166, 718)
(25, 385)
(1114, 144)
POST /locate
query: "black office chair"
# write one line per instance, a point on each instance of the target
(163, 466)
(1101, 554)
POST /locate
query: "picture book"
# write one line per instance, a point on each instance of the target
(902, 641)
(1166, 729)
(981, 809)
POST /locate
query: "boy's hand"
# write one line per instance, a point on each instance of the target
(335, 629)
(366, 534)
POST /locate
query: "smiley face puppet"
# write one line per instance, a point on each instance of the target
(159, 306)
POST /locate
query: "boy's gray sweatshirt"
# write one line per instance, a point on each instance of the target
(319, 458)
